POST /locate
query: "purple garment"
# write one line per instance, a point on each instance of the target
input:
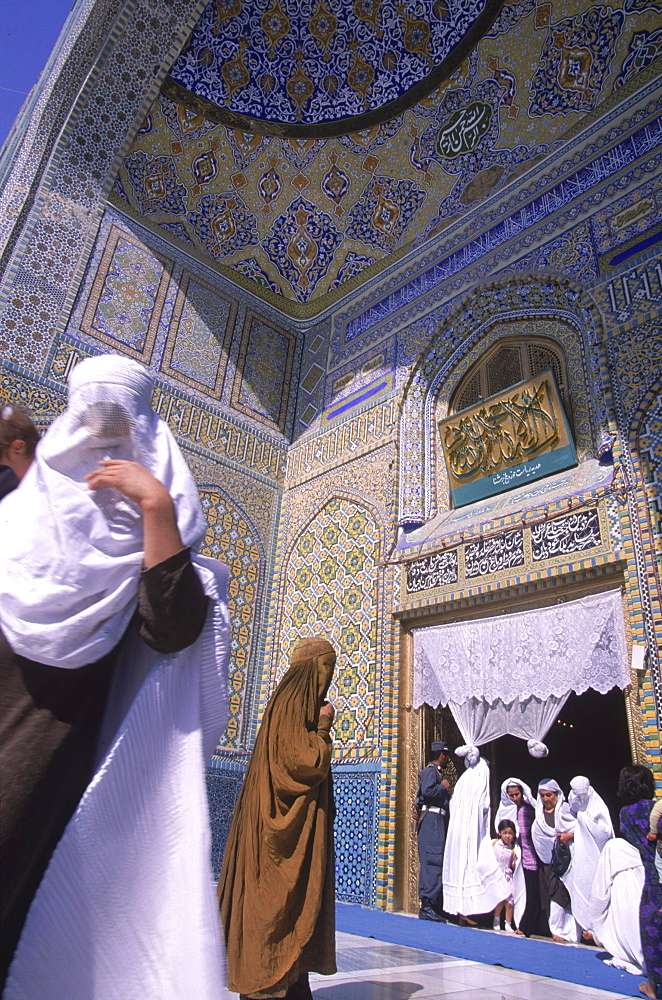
(634, 820)
(525, 817)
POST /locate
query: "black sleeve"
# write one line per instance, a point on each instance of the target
(172, 605)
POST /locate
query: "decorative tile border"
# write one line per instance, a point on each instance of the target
(348, 439)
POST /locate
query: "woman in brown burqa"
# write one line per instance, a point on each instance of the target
(276, 887)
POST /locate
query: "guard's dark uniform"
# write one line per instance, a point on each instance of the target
(431, 834)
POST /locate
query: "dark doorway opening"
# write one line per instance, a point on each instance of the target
(590, 737)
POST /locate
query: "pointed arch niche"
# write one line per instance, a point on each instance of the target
(537, 309)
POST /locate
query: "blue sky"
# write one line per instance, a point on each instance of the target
(28, 32)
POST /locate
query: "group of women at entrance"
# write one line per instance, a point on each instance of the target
(563, 867)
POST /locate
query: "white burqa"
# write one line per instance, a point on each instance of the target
(593, 829)
(473, 881)
(561, 921)
(614, 905)
(126, 908)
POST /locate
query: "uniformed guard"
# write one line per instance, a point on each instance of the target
(433, 799)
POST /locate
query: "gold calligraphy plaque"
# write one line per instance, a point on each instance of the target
(511, 438)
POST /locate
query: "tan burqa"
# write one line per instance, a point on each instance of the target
(276, 887)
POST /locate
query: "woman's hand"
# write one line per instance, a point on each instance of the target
(565, 838)
(131, 479)
(328, 709)
(161, 538)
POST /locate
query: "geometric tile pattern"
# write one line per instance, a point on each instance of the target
(303, 242)
(264, 368)
(330, 589)
(650, 451)
(199, 336)
(306, 61)
(509, 226)
(356, 794)
(230, 539)
(223, 224)
(575, 61)
(634, 358)
(571, 254)
(578, 60)
(223, 787)
(155, 184)
(645, 46)
(127, 296)
(384, 212)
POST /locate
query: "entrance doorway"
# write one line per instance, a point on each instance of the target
(590, 737)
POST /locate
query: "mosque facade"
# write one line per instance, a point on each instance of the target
(325, 228)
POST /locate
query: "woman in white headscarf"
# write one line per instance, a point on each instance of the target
(473, 881)
(554, 820)
(593, 828)
(518, 805)
(105, 612)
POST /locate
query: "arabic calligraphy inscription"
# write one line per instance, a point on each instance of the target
(501, 434)
(436, 570)
(562, 535)
(489, 555)
(464, 129)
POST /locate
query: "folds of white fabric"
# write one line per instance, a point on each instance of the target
(473, 882)
(543, 833)
(126, 908)
(519, 888)
(549, 651)
(562, 924)
(614, 905)
(593, 830)
(70, 557)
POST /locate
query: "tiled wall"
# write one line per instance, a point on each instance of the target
(308, 447)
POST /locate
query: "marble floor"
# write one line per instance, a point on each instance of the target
(373, 970)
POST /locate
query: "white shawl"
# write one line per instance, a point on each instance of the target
(507, 808)
(593, 830)
(542, 833)
(126, 907)
(473, 882)
(614, 905)
(69, 557)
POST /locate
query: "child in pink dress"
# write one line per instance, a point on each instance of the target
(504, 850)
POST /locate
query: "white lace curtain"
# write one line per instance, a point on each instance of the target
(513, 674)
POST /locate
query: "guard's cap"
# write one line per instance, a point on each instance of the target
(439, 747)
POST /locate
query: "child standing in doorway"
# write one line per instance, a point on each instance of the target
(504, 850)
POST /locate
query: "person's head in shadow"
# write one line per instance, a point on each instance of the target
(18, 440)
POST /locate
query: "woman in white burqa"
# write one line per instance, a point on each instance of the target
(593, 829)
(473, 881)
(106, 614)
(613, 906)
